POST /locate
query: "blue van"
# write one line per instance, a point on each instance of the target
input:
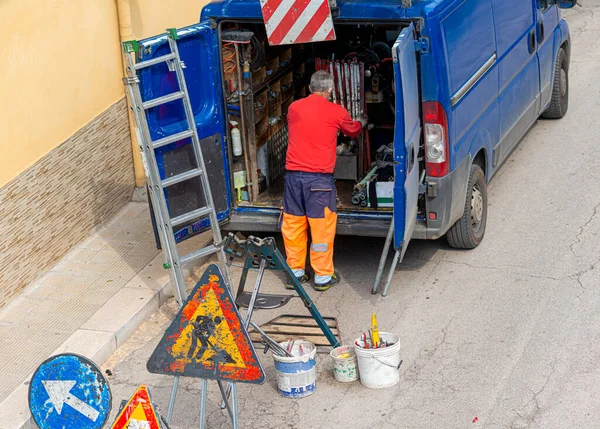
(451, 86)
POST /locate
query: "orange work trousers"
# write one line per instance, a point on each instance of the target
(309, 201)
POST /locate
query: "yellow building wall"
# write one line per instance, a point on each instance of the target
(66, 160)
(61, 67)
(150, 17)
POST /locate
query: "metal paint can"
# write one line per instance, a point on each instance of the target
(297, 375)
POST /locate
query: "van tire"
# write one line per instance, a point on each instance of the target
(469, 230)
(559, 103)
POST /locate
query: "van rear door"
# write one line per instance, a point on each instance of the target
(406, 138)
(199, 49)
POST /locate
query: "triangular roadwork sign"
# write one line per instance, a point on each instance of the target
(207, 338)
(138, 413)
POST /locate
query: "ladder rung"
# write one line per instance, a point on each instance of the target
(172, 139)
(163, 100)
(194, 214)
(157, 60)
(199, 254)
(181, 177)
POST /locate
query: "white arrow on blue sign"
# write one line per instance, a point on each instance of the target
(69, 391)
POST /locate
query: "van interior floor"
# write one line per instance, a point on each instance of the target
(273, 196)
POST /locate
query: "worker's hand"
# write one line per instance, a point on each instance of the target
(363, 120)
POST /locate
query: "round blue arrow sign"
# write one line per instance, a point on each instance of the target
(69, 391)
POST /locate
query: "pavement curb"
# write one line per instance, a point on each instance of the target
(104, 331)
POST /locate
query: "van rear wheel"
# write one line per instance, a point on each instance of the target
(559, 103)
(468, 231)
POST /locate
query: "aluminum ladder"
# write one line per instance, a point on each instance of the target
(157, 186)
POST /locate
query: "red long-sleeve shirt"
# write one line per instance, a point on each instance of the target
(313, 124)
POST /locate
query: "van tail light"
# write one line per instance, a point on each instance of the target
(436, 139)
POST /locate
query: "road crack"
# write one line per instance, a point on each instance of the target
(529, 417)
(582, 228)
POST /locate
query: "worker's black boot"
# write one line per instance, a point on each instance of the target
(304, 279)
(322, 287)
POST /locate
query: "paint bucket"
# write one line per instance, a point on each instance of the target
(345, 368)
(379, 368)
(297, 375)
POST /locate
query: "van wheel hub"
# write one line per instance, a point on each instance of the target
(476, 207)
(563, 82)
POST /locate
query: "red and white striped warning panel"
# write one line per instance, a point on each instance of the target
(297, 21)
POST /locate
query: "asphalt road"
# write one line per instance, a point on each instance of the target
(507, 333)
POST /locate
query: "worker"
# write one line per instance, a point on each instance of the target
(309, 196)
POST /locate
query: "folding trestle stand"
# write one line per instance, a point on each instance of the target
(261, 255)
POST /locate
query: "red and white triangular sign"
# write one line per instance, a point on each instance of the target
(139, 412)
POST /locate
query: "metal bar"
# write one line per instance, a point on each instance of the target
(352, 100)
(181, 177)
(473, 80)
(384, 255)
(163, 100)
(259, 276)
(308, 303)
(347, 85)
(271, 343)
(172, 400)
(209, 250)
(172, 139)
(195, 214)
(203, 398)
(243, 120)
(242, 283)
(234, 404)
(225, 401)
(332, 72)
(354, 94)
(340, 80)
(153, 61)
(391, 273)
(362, 88)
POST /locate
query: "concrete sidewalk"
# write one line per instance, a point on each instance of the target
(89, 303)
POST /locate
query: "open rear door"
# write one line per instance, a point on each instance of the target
(406, 139)
(199, 48)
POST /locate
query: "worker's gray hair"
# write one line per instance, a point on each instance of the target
(321, 81)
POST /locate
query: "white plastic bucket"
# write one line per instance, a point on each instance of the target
(379, 368)
(345, 369)
(297, 375)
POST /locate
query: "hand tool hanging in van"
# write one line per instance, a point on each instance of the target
(338, 76)
(348, 83)
(332, 73)
(236, 38)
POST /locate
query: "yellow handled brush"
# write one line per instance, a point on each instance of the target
(375, 331)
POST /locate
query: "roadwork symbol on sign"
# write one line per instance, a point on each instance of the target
(69, 391)
(207, 338)
(297, 21)
(138, 413)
